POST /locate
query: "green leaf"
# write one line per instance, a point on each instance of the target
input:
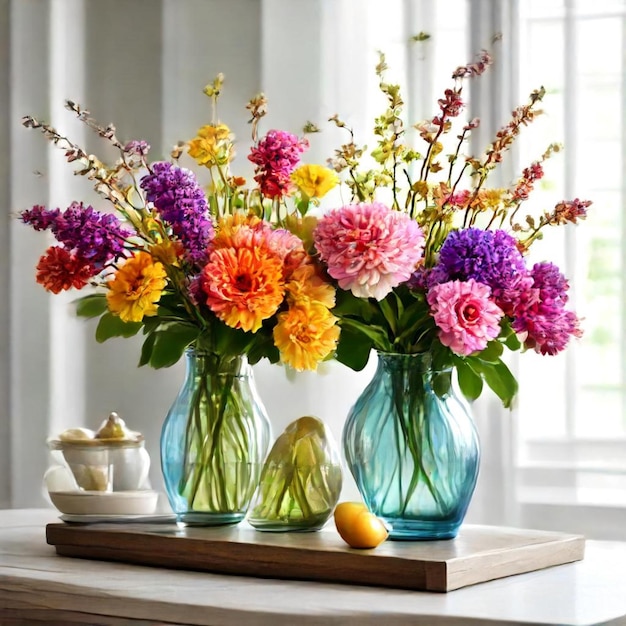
(146, 349)
(375, 334)
(232, 341)
(112, 326)
(348, 304)
(91, 306)
(170, 344)
(470, 382)
(389, 313)
(500, 380)
(512, 342)
(492, 352)
(353, 350)
(442, 381)
(263, 347)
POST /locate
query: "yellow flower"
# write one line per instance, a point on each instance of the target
(305, 335)
(488, 199)
(212, 146)
(167, 252)
(314, 181)
(229, 226)
(306, 285)
(136, 288)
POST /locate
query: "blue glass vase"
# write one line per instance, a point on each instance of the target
(414, 455)
(214, 441)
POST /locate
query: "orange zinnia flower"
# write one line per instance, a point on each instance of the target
(305, 335)
(136, 288)
(243, 286)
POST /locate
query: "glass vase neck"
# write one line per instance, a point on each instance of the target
(421, 361)
(217, 364)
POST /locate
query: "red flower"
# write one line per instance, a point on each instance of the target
(59, 270)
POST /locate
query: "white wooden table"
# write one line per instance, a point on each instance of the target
(38, 586)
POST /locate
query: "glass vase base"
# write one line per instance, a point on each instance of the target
(302, 526)
(193, 518)
(420, 530)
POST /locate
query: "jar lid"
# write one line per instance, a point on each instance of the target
(113, 432)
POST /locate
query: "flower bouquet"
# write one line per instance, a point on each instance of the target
(223, 273)
(430, 265)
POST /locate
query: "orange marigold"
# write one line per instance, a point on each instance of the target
(136, 287)
(305, 335)
(243, 286)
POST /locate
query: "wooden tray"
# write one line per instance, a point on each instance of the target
(478, 554)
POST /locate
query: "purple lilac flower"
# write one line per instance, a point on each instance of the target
(540, 312)
(276, 156)
(39, 217)
(180, 201)
(93, 236)
(489, 257)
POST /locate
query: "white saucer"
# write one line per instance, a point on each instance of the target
(98, 503)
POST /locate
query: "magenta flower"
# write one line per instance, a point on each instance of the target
(540, 315)
(466, 316)
(276, 157)
(369, 248)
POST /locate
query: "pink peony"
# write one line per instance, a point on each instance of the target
(466, 317)
(369, 248)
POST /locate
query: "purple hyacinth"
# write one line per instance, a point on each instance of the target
(180, 201)
(488, 256)
(93, 236)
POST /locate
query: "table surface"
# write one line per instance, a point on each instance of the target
(38, 586)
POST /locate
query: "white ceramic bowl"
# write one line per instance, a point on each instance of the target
(142, 502)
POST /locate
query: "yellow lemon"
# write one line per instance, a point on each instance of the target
(358, 527)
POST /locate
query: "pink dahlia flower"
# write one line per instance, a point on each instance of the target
(369, 248)
(466, 316)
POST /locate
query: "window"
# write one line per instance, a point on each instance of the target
(572, 415)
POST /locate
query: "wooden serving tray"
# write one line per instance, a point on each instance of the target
(478, 554)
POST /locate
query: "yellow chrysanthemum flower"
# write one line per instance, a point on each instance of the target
(212, 146)
(136, 288)
(305, 335)
(314, 181)
(306, 285)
